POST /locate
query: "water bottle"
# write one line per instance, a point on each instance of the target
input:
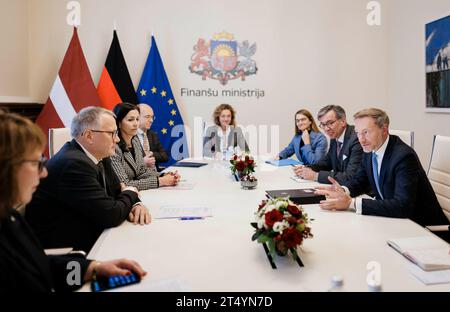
(223, 151)
(337, 284)
(374, 287)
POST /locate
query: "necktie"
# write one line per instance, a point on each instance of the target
(146, 145)
(339, 147)
(375, 173)
(101, 170)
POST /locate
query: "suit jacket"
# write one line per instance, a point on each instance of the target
(406, 189)
(308, 154)
(132, 170)
(336, 166)
(71, 207)
(211, 141)
(156, 147)
(24, 267)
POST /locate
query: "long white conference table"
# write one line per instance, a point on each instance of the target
(217, 253)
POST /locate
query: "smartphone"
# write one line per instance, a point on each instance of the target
(112, 282)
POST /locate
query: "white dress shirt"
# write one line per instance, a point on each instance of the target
(356, 204)
(140, 135)
(223, 138)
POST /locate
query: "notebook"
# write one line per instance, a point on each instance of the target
(284, 162)
(189, 164)
(299, 196)
(428, 252)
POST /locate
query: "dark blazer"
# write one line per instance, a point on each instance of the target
(70, 207)
(156, 147)
(406, 189)
(24, 267)
(336, 166)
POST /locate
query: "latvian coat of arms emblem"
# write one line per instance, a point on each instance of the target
(223, 58)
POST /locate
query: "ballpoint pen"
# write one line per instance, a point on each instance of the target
(191, 218)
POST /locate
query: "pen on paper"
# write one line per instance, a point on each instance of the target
(191, 218)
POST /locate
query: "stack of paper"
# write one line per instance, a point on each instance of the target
(430, 278)
(183, 211)
(181, 186)
(428, 252)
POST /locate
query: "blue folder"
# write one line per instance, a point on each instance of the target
(284, 162)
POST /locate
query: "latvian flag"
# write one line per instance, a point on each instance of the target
(115, 85)
(72, 90)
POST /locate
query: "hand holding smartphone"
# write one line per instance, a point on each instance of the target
(106, 283)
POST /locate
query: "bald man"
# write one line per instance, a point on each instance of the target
(154, 151)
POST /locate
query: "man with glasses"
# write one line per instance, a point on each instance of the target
(154, 151)
(344, 156)
(82, 196)
(392, 171)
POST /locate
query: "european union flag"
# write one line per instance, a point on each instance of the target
(154, 89)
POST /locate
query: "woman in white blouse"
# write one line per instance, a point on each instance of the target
(224, 138)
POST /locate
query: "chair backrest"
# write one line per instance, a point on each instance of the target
(405, 136)
(57, 137)
(439, 171)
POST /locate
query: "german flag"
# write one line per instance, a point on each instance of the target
(115, 85)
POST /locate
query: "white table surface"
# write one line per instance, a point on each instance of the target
(217, 254)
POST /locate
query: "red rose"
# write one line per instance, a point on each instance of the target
(291, 237)
(235, 157)
(251, 161)
(240, 166)
(293, 210)
(272, 217)
(292, 220)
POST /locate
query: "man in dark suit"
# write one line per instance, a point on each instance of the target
(154, 151)
(82, 196)
(344, 156)
(392, 171)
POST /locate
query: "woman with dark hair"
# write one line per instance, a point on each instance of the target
(128, 162)
(23, 264)
(308, 144)
(224, 137)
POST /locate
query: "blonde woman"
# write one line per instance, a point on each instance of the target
(224, 137)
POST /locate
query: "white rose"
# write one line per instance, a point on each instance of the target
(277, 227)
(261, 223)
(280, 226)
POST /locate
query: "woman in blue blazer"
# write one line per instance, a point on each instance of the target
(308, 144)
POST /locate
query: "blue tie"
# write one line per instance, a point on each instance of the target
(375, 173)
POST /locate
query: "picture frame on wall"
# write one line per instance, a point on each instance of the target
(438, 65)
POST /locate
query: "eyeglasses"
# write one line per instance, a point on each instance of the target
(41, 163)
(113, 133)
(149, 117)
(328, 124)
